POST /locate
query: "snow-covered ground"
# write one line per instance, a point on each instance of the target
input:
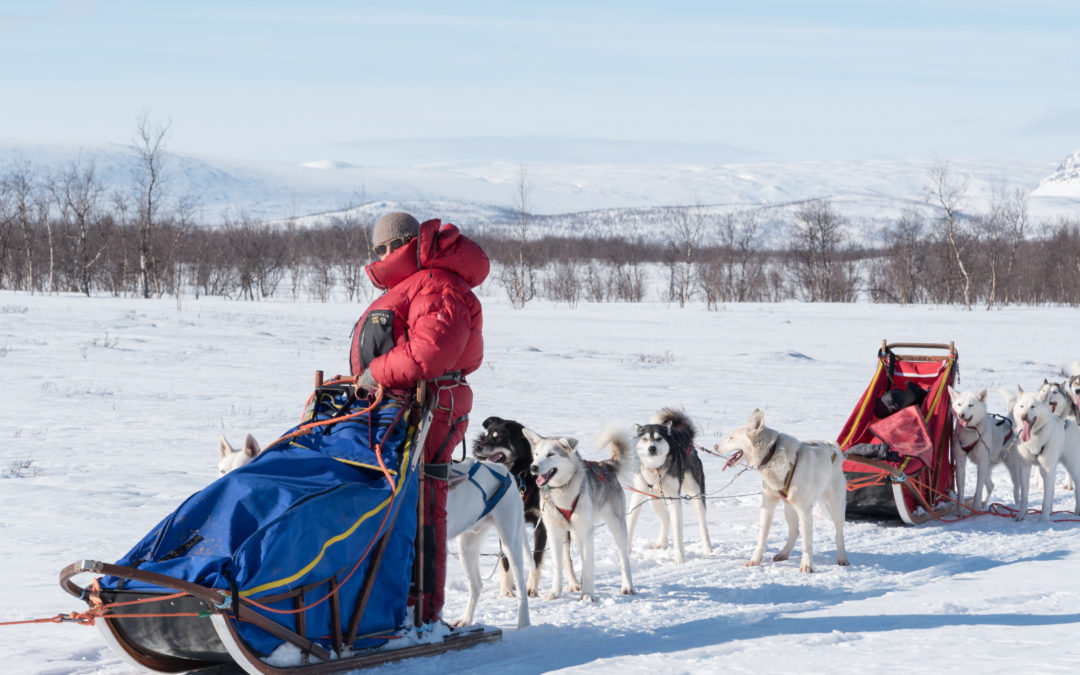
(112, 408)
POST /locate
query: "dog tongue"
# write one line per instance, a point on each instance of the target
(1025, 431)
(540, 480)
(961, 421)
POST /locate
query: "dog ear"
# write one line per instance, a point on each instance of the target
(531, 436)
(757, 420)
(637, 430)
(491, 420)
(952, 392)
(251, 446)
(982, 396)
(1019, 389)
(224, 449)
(570, 443)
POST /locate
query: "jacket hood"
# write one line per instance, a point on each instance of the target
(438, 246)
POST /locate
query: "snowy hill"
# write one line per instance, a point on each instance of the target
(1065, 182)
(484, 193)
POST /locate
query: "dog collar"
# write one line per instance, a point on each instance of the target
(771, 452)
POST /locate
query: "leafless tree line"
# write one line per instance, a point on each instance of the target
(60, 231)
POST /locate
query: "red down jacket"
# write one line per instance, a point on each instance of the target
(428, 322)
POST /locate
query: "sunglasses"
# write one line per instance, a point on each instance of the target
(392, 245)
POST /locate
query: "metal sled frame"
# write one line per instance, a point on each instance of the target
(194, 627)
(900, 493)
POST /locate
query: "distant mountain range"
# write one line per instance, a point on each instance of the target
(1065, 182)
(624, 194)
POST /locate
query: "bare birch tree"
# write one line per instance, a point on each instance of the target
(149, 146)
(947, 191)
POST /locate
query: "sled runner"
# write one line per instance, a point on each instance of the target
(299, 562)
(896, 441)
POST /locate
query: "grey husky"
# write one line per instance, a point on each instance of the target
(576, 493)
(669, 469)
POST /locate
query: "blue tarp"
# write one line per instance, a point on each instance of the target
(301, 513)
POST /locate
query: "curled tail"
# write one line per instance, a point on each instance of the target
(1010, 400)
(678, 421)
(623, 457)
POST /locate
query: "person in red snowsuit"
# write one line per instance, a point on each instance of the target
(426, 326)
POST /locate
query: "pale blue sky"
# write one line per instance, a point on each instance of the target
(795, 80)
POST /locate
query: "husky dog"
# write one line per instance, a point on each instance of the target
(482, 496)
(1062, 403)
(476, 501)
(983, 440)
(503, 443)
(576, 493)
(229, 459)
(1074, 381)
(1045, 439)
(669, 468)
(800, 473)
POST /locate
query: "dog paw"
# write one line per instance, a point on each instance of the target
(780, 557)
(585, 597)
(706, 550)
(508, 594)
(658, 545)
(552, 596)
(679, 560)
(806, 567)
(463, 621)
(574, 588)
(533, 593)
(753, 562)
(843, 562)
(628, 591)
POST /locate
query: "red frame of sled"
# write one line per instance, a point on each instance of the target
(913, 483)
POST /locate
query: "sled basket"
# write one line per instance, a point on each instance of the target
(904, 411)
(299, 562)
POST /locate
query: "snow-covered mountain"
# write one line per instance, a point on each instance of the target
(632, 199)
(1065, 182)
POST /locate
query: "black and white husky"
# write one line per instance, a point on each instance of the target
(576, 493)
(503, 443)
(669, 469)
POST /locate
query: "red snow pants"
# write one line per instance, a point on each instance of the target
(452, 401)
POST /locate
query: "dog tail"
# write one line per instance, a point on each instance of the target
(623, 457)
(1010, 399)
(678, 420)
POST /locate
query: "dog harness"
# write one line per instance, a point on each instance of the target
(998, 421)
(505, 481)
(567, 513)
(791, 471)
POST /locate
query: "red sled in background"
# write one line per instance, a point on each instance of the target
(902, 432)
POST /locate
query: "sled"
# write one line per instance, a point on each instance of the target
(299, 562)
(913, 483)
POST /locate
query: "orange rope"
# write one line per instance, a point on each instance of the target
(307, 428)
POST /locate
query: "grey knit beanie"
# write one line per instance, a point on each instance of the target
(395, 225)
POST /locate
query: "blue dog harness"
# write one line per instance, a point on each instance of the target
(505, 481)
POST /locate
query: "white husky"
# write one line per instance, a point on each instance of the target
(476, 487)
(800, 473)
(1045, 440)
(985, 441)
(229, 458)
(577, 492)
(479, 498)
